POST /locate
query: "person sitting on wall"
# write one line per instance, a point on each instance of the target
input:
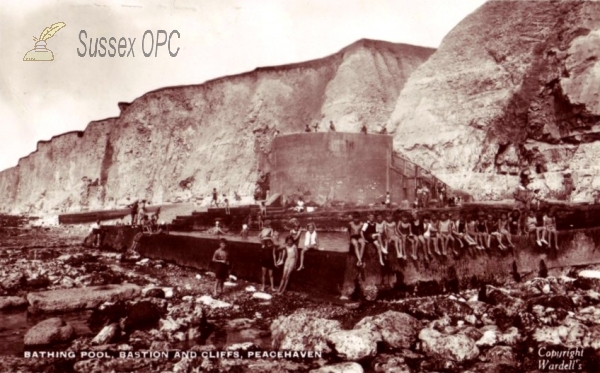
(307, 128)
(504, 229)
(141, 212)
(295, 232)
(310, 242)
(299, 205)
(317, 127)
(369, 235)
(550, 228)
(388, 200)
(245, 231)
(331, 126)
(220, 262)
(154, 224)
(356, 241)
(217, 229)
(363, 129)
(146, 225)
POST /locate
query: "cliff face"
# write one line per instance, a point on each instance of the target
(178, 143)
(514, 86)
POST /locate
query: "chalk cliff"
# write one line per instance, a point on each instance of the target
(514, 86)
(178, 143)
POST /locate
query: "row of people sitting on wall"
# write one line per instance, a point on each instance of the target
(430, 234)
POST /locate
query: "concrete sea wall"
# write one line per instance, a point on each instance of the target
(336, 273)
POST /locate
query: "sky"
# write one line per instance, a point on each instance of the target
(39, 100)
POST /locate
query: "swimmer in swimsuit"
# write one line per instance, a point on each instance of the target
(369, 234)
(391, 236)
(417, 240)
(550, 225)
(445, 233)
(356, 241)
(290, 256)
(380, 234)
(404, 231)
(482, 233)
(434, 229)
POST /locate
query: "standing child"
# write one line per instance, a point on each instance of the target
(267, 263)
(290, 255)
(356, 241)
(226, 202)
(221, 263)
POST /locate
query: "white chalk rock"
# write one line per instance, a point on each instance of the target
(261, 295)
(212, 303)
(250, 289)
(589, 273)
(168, 293)
(229, 284)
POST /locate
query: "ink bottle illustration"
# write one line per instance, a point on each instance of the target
(40, 52)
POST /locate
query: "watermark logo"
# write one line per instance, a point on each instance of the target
(40, 52)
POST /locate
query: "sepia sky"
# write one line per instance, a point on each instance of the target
(217, 37)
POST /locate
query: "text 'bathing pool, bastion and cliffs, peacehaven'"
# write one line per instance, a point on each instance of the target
(389, 207)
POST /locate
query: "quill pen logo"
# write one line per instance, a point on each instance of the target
(40, 52)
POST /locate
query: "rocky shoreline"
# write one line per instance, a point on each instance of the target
(134, 305)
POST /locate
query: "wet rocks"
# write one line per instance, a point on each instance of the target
(107, 334)
(457, 347)
(302, 332)
(340, 368)
(397, 329)
(49, 331)
(142, 315)
(207, 300)
(80, 298)
(354, 344)
(12, 302)
(386, 363)
(13, 282)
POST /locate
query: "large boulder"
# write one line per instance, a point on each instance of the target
(354, 344)
(302, 332)
(12, 302)
(397, 329)
(65, 300)
(457, 347)
(49, 331)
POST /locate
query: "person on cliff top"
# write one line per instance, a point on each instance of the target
(288, 260)
(316, 127)
(226, 202)
(356, 241)
(550, 228)
(215, 198)
(363, 129)
(267, 262)
(331, 126)
(307, 128)
(311, 242)
(220, 261)
(369, 235)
